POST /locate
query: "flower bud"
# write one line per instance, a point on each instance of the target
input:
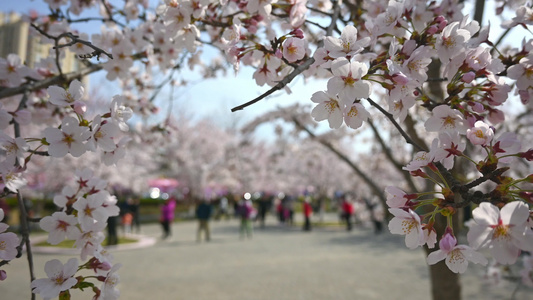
(432, 30)
(468, 77)
(298, 33)
(3, 275)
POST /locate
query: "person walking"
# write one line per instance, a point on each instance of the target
(307, 211)
(247, 213)
(167, 216)
(347, 211)
(203, 214)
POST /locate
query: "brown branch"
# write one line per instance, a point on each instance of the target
(25, 233)
(389, 116)
(56, 80)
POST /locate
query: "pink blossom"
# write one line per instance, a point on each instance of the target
(62, 97)
(109, 287)
(450, 145)
(407, 223)
(505, 232)
(347, 45)
(347, 80)
(355, 115)
(60, 226)
(70, 138)
(446, 119)
(12, 177)
(60, 278)
(15, 149)
(9, 242)
(103, 134)
(456, 256)
(507, 143)
(396, 198)
(293, 49)
(416, 65)
(480, 134)
(421, 159)
(110, 158)
(90, 241)
(522, 72)
(12, 71)
(90, 210)
(328, 108)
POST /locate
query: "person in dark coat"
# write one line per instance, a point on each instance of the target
(203, 214)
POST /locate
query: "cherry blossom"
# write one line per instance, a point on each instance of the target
(5, 118)
(328, 108)
(450, 145)
(9, 242)
(62, 97)
(421, 159)
(109, 289)
(14, 149)
(103, 134)
(293, 49)
(416, 65)
(12, 177)
(480, 134)
(12, 71)
(60, 278)
(347, 45)
(355, 115)
(455, 256)
(90, 210)
(60, 226)
(446, 119)
(504, 231)
(90, 241)
(505, 144)
(110, 158)
(120, 113)
(407, 223)
(347, 80)
(70, 138)
(451, 41)
(396, 198)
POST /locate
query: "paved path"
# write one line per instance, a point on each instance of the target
(279, 263)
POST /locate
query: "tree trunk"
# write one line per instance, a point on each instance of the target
(445, 284)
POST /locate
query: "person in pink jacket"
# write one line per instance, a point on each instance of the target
(167, 216)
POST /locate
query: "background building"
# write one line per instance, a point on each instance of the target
(16, 37)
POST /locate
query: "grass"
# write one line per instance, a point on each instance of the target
(70, 243)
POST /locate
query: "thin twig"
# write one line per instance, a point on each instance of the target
(389, 116)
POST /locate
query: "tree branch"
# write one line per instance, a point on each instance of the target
(389, 116)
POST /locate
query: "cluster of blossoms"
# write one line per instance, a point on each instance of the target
(85, 209)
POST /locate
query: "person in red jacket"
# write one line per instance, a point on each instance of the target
(308, 211)
(347, 211)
